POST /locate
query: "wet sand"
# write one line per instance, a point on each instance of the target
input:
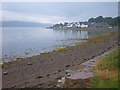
(46, 68)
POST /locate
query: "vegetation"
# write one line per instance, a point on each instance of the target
(111, 21)
(106, 71)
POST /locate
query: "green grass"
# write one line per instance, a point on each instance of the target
(109, 62)
(106, 71)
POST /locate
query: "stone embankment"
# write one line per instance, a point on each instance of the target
(80, 78)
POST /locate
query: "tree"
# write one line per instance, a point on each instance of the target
(99, 19)
(91, 20)
(65, 24)
(111, 21)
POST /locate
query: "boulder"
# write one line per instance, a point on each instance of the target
(78, 80)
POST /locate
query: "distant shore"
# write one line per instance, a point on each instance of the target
(85, 28)
(47, 67)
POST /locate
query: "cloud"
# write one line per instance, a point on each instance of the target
(10, 16)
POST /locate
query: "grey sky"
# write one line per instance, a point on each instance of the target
(55, 12)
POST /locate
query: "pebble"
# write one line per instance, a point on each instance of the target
(107, 53)
(87, 69)
(62, 80)
(29, 63)
(5, 73)
(58, 86)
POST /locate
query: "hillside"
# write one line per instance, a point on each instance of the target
(23, 24)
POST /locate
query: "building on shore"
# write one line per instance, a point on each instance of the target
(99, 25)
(82, 25)
(77, 24)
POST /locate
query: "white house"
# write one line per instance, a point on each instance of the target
(77, 24)
(69, 25)
(84, 25)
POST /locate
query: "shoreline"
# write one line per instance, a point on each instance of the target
(49, 66)
(86, 29)
(103, 30)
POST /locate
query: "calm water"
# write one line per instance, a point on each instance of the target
(21, 42)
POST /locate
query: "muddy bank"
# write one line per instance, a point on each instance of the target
(48, 67)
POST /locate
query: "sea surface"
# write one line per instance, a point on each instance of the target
(20, 42)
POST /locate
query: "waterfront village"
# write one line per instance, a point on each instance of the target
(98, 22)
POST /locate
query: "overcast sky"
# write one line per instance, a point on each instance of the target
(56, 12)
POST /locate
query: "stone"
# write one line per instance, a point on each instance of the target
(88, 64)
(67, 66)
(61, 82)
(107, 53)
(29, 63)
(5, 73)
(58, 86)
(85, 64)
(39, 76)
(70, 72)
(87, 69)
(81, 75)
(78, 80)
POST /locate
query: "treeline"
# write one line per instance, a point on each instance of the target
(59, 25)
(111, 21)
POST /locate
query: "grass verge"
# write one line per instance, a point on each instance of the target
(107, 71)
